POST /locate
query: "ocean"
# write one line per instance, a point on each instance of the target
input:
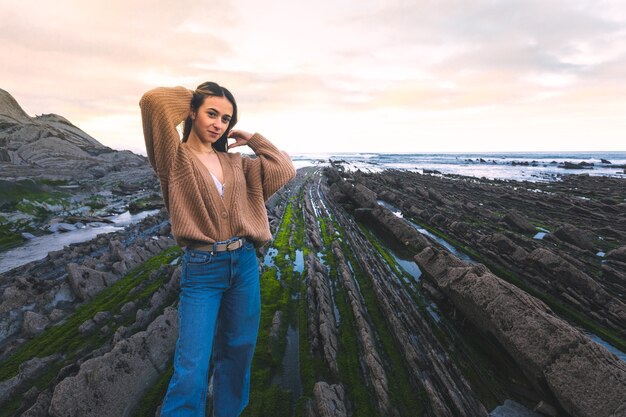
(520, 166)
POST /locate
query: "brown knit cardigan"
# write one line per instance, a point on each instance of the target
(197, 212)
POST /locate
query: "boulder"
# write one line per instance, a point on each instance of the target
(27, 372)
(112, 385)
(87, 326)
(575, 236)
(87, 282)
(101, 316)
(328, 401)
(618, 254)
(34, 323)
(517, 222)
(56, 315)
(61, 227)
(15, 296)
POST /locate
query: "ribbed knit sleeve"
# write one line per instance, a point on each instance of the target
(162, 109)
(275, 166)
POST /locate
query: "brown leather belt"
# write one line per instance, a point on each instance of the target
(220, 246)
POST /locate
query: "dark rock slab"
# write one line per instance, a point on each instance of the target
(584, 377)
(518, 222)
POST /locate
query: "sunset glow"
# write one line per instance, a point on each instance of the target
(392, 76)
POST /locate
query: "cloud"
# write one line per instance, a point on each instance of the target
(328, 63)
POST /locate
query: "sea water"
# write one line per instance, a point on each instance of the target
(522, 166)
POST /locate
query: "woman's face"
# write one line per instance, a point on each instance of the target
(212, 118)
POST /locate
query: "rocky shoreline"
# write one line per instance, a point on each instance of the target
(567, 267)
(389, 321)
(568, 244)
(408, 359)
(57, 178)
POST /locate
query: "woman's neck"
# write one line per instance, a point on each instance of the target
(194, 143)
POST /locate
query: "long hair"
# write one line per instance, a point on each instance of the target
(205, 90)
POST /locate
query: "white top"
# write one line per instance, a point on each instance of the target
(218, 184)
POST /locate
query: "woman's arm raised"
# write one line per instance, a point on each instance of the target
(162, 109)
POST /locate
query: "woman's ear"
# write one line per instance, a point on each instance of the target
(192, 114)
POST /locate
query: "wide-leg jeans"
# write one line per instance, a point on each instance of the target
(218, 312)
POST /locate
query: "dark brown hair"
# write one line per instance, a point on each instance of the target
(203, 91)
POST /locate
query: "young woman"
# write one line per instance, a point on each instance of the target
(216, 203)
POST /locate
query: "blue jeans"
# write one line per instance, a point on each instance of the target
(219, 311)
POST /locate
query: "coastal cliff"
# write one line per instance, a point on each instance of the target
(54, 176)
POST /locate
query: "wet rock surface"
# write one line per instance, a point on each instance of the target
(584, 377)
(431, 369)
(323, 326)
(580, 217)
(43, 292)
(55, 178)
(460, 338)
(497, 220)
(328, 401)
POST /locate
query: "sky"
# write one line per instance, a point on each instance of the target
(334, 76)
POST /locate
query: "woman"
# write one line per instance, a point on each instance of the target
(216, 203)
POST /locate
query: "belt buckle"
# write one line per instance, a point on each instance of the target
(233, 245)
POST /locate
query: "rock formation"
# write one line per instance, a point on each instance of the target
(56, 178)
(107, 385)
(390, 322)
(584, 377)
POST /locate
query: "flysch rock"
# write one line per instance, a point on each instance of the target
(320, 315)
(112, 384)
(618, 254)
(592, 217)
(277, 321)
(312, 232)
(518, 222)
(328, 401)
(34, 323)
(51, 141)
(40, 407)
(87, 282)
(69, 277)
(447, 390)
(367, 340)
(586, 379)
(566, 276)
(27, 372)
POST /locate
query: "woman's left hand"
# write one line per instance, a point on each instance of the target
(241, 138)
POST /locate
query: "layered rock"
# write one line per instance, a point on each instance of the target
(320, 314)
(431, 369)
(51, 141)
(584, 377)
(310, 219)
(54, 176)
(581, 217)
(328, 401)
(108, 385)
(27, 373)
(367, 338)
(52, 287)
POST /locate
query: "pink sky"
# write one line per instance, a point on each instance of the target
(324, 76)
